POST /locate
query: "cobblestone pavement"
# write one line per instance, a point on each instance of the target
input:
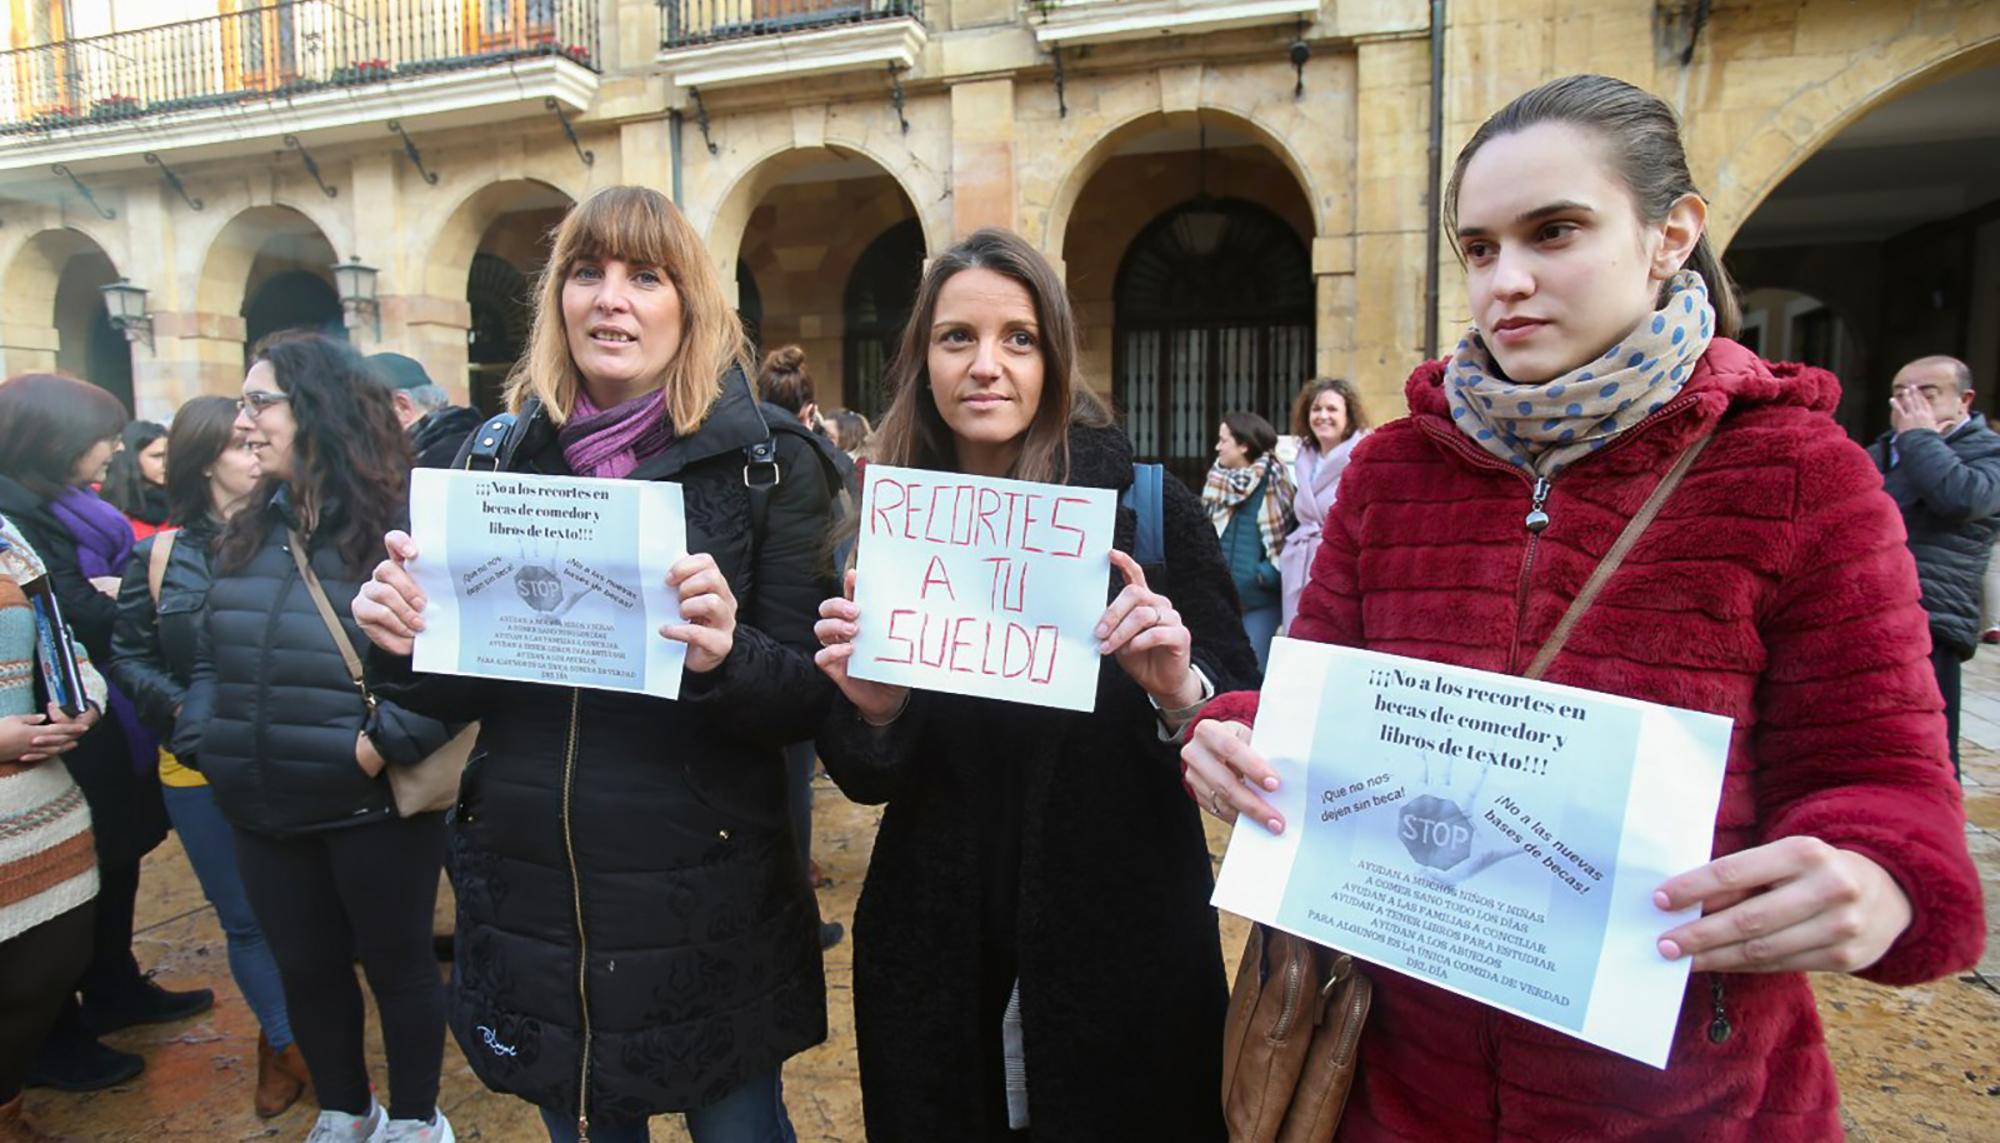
(1916, 1063)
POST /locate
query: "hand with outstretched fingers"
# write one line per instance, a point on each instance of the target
(1224, 774)
(1439, 819)
(839, 622)
(1796, 904)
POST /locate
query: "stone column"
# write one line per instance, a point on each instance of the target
(982, 155)
(193, 353)
(1391, 211)
(432, 330)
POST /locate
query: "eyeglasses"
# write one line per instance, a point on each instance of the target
(257, 400)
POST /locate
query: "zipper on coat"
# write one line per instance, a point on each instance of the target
(1536, 522)
(582, 938)
(1719, 1028)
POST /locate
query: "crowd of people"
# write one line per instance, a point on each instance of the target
(1035, 955)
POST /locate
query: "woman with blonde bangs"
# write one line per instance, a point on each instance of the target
(635, 932)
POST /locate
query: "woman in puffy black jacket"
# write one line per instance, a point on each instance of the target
(295, 754)
(635, 932)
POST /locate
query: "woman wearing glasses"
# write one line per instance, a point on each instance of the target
(295, 755)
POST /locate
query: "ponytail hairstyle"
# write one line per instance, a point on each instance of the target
(783, 380)
(1642, 141)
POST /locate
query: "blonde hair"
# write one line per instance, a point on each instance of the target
(637, 225)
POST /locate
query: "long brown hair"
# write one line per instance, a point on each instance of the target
(638, 225)
(348, 450)
(913, 432)
(1641, 136)
(204, 429)
(1303, 407)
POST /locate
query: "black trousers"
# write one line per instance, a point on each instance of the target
(38, 971)
(323, 898)
(1945, 661)
(111, 977)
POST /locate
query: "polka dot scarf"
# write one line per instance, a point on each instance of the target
(1546, 428)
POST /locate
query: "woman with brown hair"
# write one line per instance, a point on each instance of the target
(294, 754)
(1773, 588)
(57, 435)
(1034, 946)
(160, 610)
(635, 933)
(1328, 422)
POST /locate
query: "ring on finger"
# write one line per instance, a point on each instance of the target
(1215, 804)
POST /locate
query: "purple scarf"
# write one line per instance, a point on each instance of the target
(103, 545)
(102, 533)
(612, 442)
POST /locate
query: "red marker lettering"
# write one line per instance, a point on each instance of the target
(878, 518)
(1055, 521)
(988, 502)
(909, 648)
(936, 574)
(1028, 521)
(958, 640)
(1048, 670)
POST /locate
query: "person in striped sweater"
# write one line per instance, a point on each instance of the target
(48, 862)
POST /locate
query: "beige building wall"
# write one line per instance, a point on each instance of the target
(987, 142)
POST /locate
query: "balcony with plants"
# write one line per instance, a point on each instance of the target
(289, 67)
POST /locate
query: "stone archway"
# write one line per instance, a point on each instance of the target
(815, 214)
(52, 312)
(486, 256)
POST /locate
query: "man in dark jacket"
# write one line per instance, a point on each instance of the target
(1942, 464)
(436, 427)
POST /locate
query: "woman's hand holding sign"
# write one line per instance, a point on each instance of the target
(839, 622)
(708, 607)
(1793, 905)
(1151, 643)
(390, 605)
(1223, 772)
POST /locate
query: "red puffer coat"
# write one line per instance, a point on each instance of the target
(1774, 588)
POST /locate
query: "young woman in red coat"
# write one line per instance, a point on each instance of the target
(1774, 589)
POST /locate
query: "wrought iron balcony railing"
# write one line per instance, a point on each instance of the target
(278, 51)
(687, 23)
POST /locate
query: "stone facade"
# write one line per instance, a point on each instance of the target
(812, 162)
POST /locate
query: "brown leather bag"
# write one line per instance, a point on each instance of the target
(1296, 1012)
(1289, 1043)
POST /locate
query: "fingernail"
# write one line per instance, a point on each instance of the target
(1275, 826)
(1670, 950)
(1661, 901)
(1270, 782)
(1099, 631)
(1104, 648)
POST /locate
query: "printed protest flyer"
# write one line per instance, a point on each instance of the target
(548, 579)
(982, 586)
(1494, 836)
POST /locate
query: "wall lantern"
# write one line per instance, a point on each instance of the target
(354, 281)
(126, 303)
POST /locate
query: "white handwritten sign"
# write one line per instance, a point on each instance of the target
(1496, 837)
(982, 586)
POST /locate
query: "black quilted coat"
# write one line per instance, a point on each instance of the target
(633, 919)
(270, 711)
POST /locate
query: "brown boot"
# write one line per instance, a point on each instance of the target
(277, 1087)
(15, 1127)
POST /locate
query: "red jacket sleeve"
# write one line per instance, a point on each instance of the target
(1850, 741)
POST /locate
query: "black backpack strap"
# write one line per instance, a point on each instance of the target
(1146, 499)
(761, 473)
(481, 451)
